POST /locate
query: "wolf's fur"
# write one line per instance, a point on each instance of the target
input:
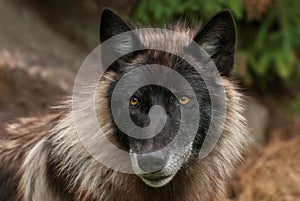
(42, 158)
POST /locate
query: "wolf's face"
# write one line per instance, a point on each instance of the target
(157, 159)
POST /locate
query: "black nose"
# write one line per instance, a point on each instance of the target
(152, 162)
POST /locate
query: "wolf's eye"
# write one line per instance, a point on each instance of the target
(134, 101)
(183, 100)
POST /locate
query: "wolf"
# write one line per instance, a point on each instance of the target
(44, 158)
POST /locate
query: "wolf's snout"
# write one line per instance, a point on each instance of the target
(152, 162)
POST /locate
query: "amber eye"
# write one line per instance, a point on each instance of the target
(134, 101)
(183, 100)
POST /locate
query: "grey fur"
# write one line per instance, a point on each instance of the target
(47, 161)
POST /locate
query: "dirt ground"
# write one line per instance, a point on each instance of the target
(271, 172)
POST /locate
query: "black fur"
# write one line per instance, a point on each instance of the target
(156, 95)
(220, 32)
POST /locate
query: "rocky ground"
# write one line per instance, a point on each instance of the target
(36, 63)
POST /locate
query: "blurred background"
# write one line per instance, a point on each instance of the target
(43, 43)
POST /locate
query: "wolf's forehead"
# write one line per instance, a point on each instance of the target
(174, 38)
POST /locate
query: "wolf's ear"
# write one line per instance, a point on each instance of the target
(218, 39)
(111, 25)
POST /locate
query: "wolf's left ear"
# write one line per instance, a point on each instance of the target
(218, 39)
(111, 25)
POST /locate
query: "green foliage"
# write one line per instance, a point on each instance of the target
(295, 105)
(160, 10)
(275, 46)
(269, 46)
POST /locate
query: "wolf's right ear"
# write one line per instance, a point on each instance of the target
(218, 39)
(111, 25)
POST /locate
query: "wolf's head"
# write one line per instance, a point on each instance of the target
(156, 158)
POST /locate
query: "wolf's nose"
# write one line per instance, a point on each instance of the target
(152, 162)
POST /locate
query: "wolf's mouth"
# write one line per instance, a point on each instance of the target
(156, 181)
